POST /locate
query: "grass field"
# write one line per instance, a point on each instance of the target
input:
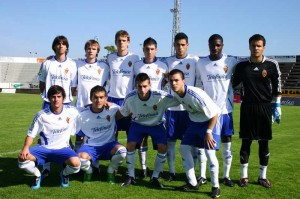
(17, 111)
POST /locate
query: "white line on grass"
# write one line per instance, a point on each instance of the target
(9, 153)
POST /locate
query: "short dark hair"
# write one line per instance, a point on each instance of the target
(150, 41)
(56, 89)
(176, 71)
(257, 37)
(142, 77)
(180, 36)
(59, 39)
(92, 42)
(215, 37)
(97, 89)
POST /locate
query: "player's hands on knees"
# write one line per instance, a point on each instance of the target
(24, 154)
(209, 140)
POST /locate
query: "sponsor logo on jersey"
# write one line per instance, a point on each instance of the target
(58, 77)
(121, 72)
(59, 118)
(216, 77)
(98, 117)
(264, 73)
(90, 77)
(99, 71)
(99, 129)
(157, 71)
(225, 68)
(108, 118)
(148, 67)
(68, 120)
(148, 115)
(155, 107)
(66, 70)
(129, 63)
(188, 66)
(256, 69)
(58, 131)
(215, 64)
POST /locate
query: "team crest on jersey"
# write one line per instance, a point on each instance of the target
(108, 118)
(225, 68)
(264, 73)
(155, 107)
(99, 71)
(157, 71)
(129, 63)
(66, 71)
(68, 120)
(188, 66)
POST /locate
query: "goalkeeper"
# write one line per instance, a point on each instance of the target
(261, 85)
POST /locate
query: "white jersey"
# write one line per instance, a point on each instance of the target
(198, 104)
(215, 77)
(98, 128)
(54, 129)
(63, 74)
(149, 112)
(121, 74)
(154, 70)
(188, 66)
(90, 75)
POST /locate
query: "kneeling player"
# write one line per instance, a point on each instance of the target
(98, 124)
(55, 124)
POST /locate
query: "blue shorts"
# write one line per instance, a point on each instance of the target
(124, 123)
(137, 132)
(58, 156)
(226, 125)
(195, 134)
(47, 104)
(99, 152)
(177, 122)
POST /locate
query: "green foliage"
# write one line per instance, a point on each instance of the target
(17, 112)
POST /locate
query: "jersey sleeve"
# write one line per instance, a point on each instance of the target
(276, 79)
(124, 110)
(42, 73)
(236, 77)
(74, 75)
(36, 126)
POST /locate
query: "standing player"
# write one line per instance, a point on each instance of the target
(177, 117)
(55, 124)
(156, 71)
(58, 70)
(261, 82)
(147, 107)
(201, 132)
(214, 72)
(98, 124)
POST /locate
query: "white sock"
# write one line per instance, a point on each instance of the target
(29, 167)
(117, 159)
(263, 171)
(213, 167)
(46, 166)
(171, 155)
(195, 153)
(143, 157)
(188, 163)
(227, 159)
(244, 170)
(130, 161)
(203, 162)
(86, 165)
(159, 164)
(70, 170)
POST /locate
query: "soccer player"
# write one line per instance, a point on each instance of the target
(177, 117)
(201, 132)
(156, 71)
(55, 124)
(215, 72)
(147, 108)
(261, 83)
(98, 124)
(59, 70)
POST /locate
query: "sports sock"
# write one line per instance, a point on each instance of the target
(203, 162)
(117, 159)
(263, 172)
(188, 163)
(70, 170)
(171, 155)
(143, 157)
(227, 159)
(159, 164)
(130, 161)
(29, 167)
(213, 167)
(86, 165)
(244, 170)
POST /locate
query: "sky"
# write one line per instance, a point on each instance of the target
(31, 25)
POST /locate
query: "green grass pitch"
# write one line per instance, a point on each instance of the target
(17, 112)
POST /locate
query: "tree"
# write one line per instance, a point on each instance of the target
(110, 49)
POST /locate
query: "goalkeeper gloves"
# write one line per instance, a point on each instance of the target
(276, 110)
